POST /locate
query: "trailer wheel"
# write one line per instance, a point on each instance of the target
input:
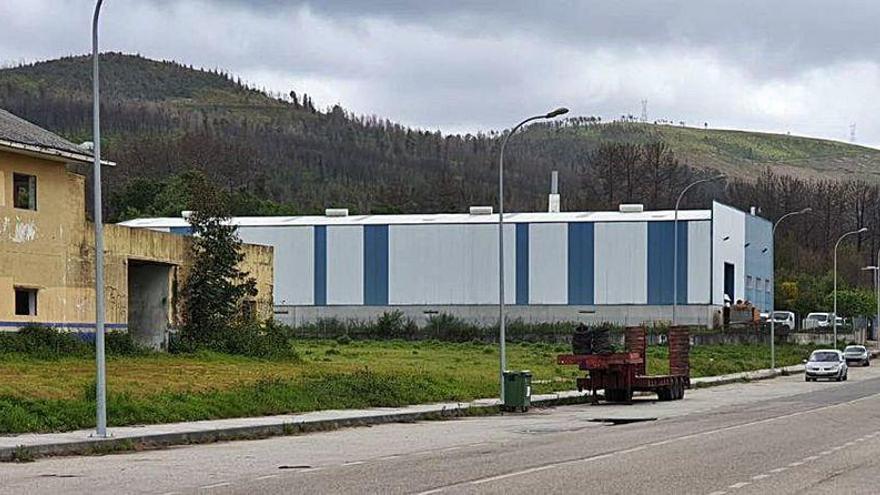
(678, 391)
(664, 393)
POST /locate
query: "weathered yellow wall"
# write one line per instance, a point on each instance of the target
(52, 249)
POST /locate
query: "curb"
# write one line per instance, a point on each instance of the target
(294, 425)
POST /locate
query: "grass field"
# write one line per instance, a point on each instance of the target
(58, 394)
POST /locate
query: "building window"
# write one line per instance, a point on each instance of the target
(24, 191)
(748, 282)
(25, 302)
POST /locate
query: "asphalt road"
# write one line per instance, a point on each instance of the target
(777, 436)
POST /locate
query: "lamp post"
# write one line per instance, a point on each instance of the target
(834, 323)
(101, 378)
(773, 283)
(876, 270)
(675, 243)
(501, 322)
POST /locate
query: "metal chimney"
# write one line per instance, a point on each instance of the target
(553, 201)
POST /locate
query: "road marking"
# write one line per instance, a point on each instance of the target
(435, 490)
(718, 493)
(760, 477)
(778, 470)
(825, 452)
(215, 485)
(796, 464)
(509, 475)
(449, 449)
(352, 463)
(267, 477)
(739, 485)
(811, 458)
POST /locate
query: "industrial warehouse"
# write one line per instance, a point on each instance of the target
(559, 266)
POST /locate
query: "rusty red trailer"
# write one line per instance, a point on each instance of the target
(621, 374)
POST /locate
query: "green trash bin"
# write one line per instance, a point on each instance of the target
(517, 390)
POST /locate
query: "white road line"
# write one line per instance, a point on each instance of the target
(510, 475)
(778, 470)
(430, 492)
(267, 477)
(717, 493)
(825, 452)
(796, 464)
(215, 485)
(739, 485)
(352, 463)
(760, 477)
(811, 458)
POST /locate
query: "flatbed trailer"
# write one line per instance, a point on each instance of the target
(621, 374)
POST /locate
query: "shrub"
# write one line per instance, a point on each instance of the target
(43, 342)
(395, 325)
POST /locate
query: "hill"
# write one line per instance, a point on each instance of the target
(161, 118)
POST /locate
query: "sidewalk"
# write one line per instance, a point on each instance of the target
(154, 436)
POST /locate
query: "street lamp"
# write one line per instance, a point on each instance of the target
(675, 242)
(101, 378)
(876, 270)
(773, 283)
(834, 324)
(501, 337)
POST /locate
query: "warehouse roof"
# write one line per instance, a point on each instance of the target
(19, 135)
(442, 218)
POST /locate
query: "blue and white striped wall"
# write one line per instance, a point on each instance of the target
(566, 263)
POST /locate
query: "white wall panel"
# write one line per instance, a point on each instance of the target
(699, 262)
(294, 260)
(449, 264)
(345, 264)
(621, 263)
(729, 233)
(548, 263)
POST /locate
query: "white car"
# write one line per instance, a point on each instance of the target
(857, 354)
(826, 363)
(783, 319)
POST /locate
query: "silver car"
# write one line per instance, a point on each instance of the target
(857, 354)
(826, 363)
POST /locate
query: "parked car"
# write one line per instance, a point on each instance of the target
(826, 363)
(783, 319)
(817, 320)
(857, 354)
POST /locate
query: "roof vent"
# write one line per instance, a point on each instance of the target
(87, 145)
(336, 212)
(481, 210)
(632, 208)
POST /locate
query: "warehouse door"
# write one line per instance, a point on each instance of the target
(148, 302)
(730, 281)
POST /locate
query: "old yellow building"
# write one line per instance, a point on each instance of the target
(47, 251)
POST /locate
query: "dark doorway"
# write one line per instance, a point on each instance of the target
(730, 281)
(148, 302)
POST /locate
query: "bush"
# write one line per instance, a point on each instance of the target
(43, 342)
(244, 339)
(395, 325)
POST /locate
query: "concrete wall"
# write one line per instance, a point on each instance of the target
(149, 303)
(759, 262)
(488, 315)
(52, 250)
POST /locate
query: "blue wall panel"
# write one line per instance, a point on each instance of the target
(661, 239)
(376, 265)
(581, 249)
(320, 265)
(522, 263)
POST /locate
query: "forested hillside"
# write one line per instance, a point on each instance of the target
(164, 120)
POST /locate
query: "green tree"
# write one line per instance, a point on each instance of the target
(216, 287)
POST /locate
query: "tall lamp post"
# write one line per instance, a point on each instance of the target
(501, 322)
(834, 324)
(675, 243)
(876, 270)
(101, 379)
(773, 283)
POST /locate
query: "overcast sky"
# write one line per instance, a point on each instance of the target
(805, 67)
